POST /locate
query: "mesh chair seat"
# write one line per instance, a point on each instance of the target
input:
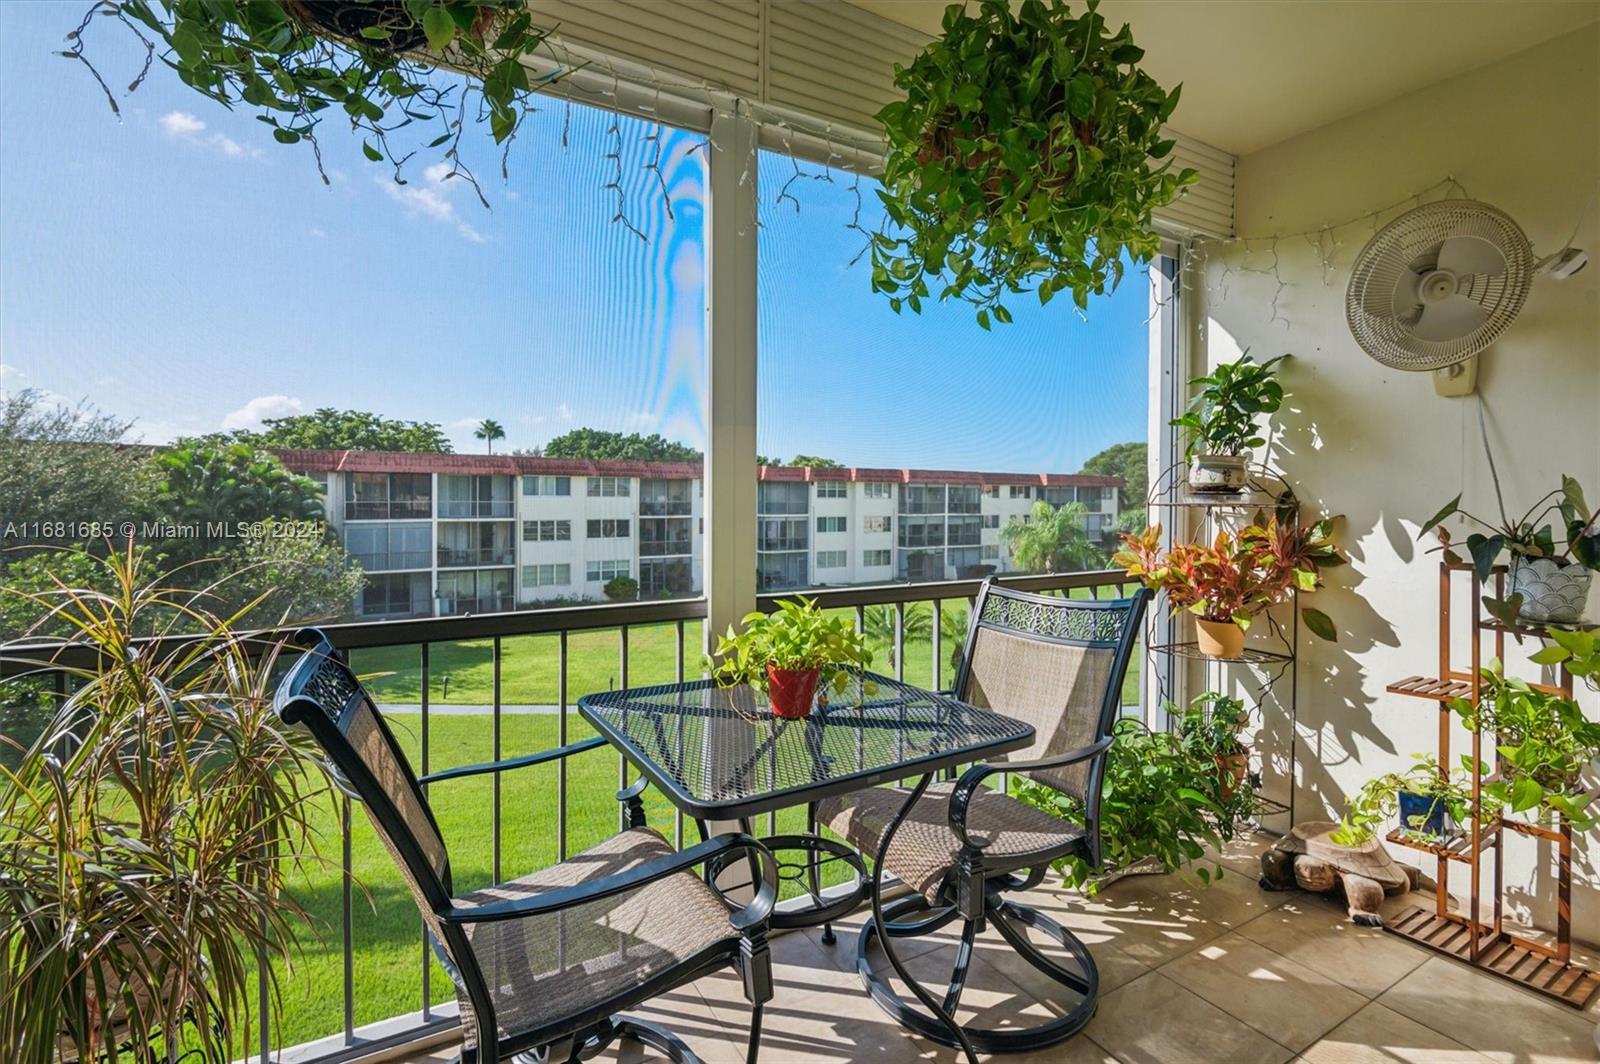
(925, 849)
(543, 968)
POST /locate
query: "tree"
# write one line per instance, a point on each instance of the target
(288, 579)
(600, 445)
(198, 483)
(621, 589)
(877, 625)
(1131, 462)
(328, 429)
(1052, 540)
(61, 464)
(802, 460)
(489, 430)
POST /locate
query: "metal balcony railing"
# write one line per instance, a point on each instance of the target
(490, 626)
(466, 557)
(665, 507)
(393, 561)
(468, 508)
(388, 510)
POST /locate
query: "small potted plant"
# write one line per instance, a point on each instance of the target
(1543, 744)
(1428, 801)
(1549, 577)
(788, 653)
(1220, 422)
(1210, 726)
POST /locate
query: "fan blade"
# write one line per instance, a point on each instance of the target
(1402, 302)
(1463, 254)
(1450, 319)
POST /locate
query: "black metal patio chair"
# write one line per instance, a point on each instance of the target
(965, 848)
(543, 965)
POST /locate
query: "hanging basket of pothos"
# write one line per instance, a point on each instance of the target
(383, 66)
(1027, 155)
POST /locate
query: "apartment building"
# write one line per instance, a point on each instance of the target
(451, 534)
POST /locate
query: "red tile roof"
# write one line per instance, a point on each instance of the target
(515, 465)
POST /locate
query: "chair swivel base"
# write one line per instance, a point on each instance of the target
(596, 1040)
(1011, 921)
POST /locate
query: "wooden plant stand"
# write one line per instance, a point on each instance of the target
(1547, 969)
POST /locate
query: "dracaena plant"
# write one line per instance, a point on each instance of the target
(149, 833)
(1543, 744)
(374, 66)
(1027, 154)
(1227, 403)
(796, 636)
(1560, 526)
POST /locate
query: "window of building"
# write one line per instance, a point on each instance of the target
(779, 572)
(920, 565)
(832, 489)
(553, 575)
(964, 498)
(546, 531)
(475, 591)
(877, 524)
(833, 559)
(665, 576)
(877, 489)
(661, 498)
(609, 487)
(600, 572)
(993, 491)
(963, 531)
(991, 520)
(830, 524)
(485, 495)
(782, 497)
(922, 531)
(1056, 496)
(781, 534)
(665, 535)
(472, 543)
(547, 485)
(871, 558)
(990, 552)
(606, 528)
(922, 499)
(387, 496)
(396, 595)
(1021, 491)
(1093, 498)
(378, 546)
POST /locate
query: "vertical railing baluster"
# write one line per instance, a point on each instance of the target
(262, 1002)
(900, 641)
(677, 827)
(427, 973)
(622, 762)
(561, 740)
(937, 669)
(495, 775)
(346, 916)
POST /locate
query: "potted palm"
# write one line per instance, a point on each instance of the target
(147, 836)
(1220, 422)
(1550, 576)
(788, 653)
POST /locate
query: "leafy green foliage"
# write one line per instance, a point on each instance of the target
(489, 430)
(814, 462)
(1210, 725)
(1576, 651)
(372, 65)
(1052, 540)
(1131, 462)
(196, 482)
(1221, 415)
(621, 589)
(600, 445)
(148, 834)
(1533, 535)
(327, 429)
(1025, 155)
(797, 636)
(1154, 803)
(1378, 800)
(1543, 743)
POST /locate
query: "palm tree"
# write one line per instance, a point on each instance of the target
(489, 430)
(1052, 540)
(878, 626)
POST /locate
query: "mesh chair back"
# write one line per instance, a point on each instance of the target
(1055, 663)
(322, 693)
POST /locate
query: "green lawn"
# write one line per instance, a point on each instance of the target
(385, 927)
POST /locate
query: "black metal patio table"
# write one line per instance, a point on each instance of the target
(720, 755)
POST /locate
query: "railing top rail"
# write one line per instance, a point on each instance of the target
(885, 594)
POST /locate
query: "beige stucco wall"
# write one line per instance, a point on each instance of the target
(1377, 445)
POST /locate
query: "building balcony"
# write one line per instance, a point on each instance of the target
(475, 557)
(665, 507)
(398, 510)
(394, 561)
(477, 508)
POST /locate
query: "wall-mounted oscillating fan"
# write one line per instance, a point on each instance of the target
(1437, 285)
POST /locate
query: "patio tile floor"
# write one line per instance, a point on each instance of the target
(1189, 974)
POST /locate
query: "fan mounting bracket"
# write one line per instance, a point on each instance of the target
(1457, 381)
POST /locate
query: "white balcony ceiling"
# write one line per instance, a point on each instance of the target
(1255, 72)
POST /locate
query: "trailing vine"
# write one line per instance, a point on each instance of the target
(1027, 154)
(376, 64)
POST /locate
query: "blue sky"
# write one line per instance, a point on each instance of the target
(180, 269)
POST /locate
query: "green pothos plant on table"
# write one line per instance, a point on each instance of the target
(1027, 153)
(374, 64)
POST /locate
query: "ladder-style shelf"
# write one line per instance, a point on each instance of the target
(1545, 968)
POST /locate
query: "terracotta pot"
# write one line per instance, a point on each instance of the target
(1219, 639)
(1232, 771)
(791, 692)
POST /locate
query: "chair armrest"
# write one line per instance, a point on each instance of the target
(542, 757)
(967, 786)
(751, 917)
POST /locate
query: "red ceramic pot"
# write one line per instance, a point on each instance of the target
(791, 692)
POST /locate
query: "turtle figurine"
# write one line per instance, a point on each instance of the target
(1307, 858)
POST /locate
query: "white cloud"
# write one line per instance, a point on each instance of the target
(432, 197)
(466, 422)
(259, 409)
(181, 124)
(228, 146)
(642, 419)
(318, 233)
(564, 412)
